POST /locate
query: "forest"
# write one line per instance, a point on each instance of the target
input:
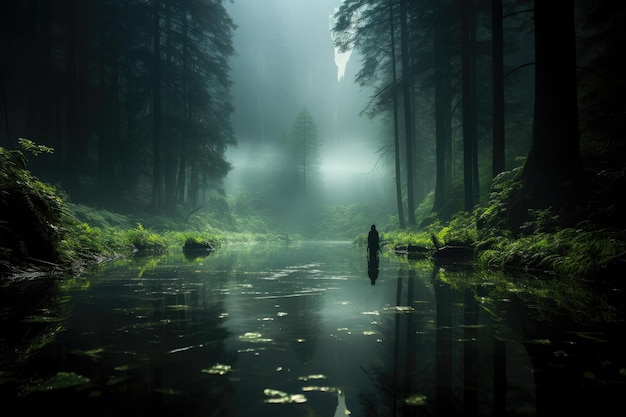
(117, 118)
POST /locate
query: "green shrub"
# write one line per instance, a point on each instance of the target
(144, 240)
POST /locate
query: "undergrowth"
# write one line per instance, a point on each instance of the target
(546, 244)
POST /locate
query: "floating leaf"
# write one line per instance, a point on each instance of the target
(416, 399)
(280, 397)
(218, 369)
(178, 307)
(59, 381)
(308, 377)
(93, 353)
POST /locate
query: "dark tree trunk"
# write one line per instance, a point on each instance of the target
(46, 73)
(553, 170)
(408, 112)
(396, 128)
(77, 91)
(469, 108)
(106, 129)
(170, 150)
(443, 131)
(498, 162)
(157, 157)
(73, 145)
(182, 161)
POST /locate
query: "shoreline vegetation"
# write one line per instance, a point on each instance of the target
(43, 233)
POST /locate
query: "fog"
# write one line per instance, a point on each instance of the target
(286, 61)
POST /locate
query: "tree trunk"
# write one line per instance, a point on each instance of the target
(70, 166)
(170, 150)
(443, 131)
(553, 171)
(108, 107)
(498, 162)
(396, 133)
(44, 42)
(469, 108)
(408, 113)
(157, 157)
(182, 162)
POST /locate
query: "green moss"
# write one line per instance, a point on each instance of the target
(146, 241)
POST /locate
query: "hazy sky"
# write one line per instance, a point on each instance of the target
(285, 60)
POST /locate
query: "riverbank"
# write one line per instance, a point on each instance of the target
(43, 233)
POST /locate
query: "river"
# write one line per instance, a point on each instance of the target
(304, 330)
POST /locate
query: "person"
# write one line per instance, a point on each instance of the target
(373, 245)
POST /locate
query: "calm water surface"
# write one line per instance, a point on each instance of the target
(300, 330)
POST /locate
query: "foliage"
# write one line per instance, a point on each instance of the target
(461, 230)
(35, 149)
(39, 226)
(547, 243)
(31, 211)
(568, 251)
(145, 240)
(81, 239)
(100, 218)
(492, 216)
(404, 237)
(424, 209)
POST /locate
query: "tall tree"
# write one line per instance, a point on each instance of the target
(305, 142)
(157, 156)
(408, 113)
(553, 172)
(396, 127)
(365, 26)
(498, 159)
(362, 25)
(171, 136)
(182, 162)
(76, 66)
(470, 162)
(109, 129)
(443, 99)
(207, 128)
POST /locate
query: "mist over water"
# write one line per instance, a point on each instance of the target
(348, 172)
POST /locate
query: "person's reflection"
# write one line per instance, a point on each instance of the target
(372, 270)
(373, 247)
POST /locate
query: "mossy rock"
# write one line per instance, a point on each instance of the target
(194, 244)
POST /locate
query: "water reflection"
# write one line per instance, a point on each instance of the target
(300, 331)
(372, 269)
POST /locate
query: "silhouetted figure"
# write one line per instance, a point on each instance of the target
(373, 245)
